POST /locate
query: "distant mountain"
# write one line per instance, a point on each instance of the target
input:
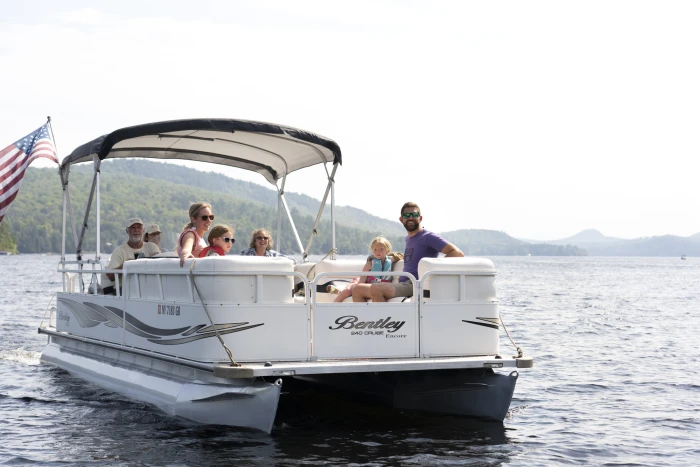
(597, 244)
(475, 242)
(665, 245)
(587, 237)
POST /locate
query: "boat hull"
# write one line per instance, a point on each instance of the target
(178, 390)
(480, 393)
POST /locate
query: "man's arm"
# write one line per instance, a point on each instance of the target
(116, 261)
(452, 251)
(110, 276)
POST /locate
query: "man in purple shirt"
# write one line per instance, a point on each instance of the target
(420, 243)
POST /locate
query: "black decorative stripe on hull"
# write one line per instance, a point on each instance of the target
(488, 325)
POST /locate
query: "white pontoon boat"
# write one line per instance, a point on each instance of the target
(213, 341)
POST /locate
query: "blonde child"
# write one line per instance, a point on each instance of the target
(380, 261)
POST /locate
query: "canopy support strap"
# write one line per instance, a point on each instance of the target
(518, 349)
(216, 330)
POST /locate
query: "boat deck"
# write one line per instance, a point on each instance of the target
(315, 367)
(369, 365)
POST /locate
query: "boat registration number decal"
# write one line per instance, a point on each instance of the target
(172, 310)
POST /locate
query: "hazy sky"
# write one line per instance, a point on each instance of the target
(539, 119)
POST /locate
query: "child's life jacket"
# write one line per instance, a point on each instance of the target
(377, 266)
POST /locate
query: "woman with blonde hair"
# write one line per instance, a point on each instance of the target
(220, 241)
(261, 244)
(191, 241)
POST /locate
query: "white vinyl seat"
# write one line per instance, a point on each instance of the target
(479, 279)
(213, 282)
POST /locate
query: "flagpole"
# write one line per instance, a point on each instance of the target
(53, 138)
(64, 187)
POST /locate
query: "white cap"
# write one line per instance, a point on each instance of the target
(132, 221)
(152, 228)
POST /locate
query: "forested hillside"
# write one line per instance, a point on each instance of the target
(212, 181)
(162, 193)
(136, 188)
(7, 241)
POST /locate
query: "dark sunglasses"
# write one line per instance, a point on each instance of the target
(227, 239)
(408, 215)
(211, 218)
(262, 238)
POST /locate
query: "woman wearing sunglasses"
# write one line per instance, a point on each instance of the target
(260, 244)
(191, 241)
(220, 241)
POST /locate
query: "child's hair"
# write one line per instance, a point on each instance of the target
(395, 256)
(218, 231)
(381, 240)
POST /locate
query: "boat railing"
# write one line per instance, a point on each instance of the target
(454, 287)
(75, 270)
(364, 329)
(458, 313)
(335, 274)
(453, 312)
(192, 298)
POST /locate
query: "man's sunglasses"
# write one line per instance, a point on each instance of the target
(408, 215)
(211, 218)
(262, 238)
(227, 239)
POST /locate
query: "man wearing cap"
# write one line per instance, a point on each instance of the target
(126, 252)
(152, 235)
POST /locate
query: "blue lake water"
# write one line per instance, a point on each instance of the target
(616, 382)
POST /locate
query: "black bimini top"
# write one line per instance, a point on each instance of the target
(271, 150)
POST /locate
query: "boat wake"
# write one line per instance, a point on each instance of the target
(26, 357)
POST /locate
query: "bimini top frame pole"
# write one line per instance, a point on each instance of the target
(274, 151)
(329, 188)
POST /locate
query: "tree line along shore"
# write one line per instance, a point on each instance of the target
(161, 193)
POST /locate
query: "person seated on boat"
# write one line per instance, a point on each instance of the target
(220, 241)
(152, 235)
(379, 261)
(261, 244)
(131, 249)
(191, 241)
(420, 243)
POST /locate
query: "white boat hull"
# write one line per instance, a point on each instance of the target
(166, 340)
(176, 389)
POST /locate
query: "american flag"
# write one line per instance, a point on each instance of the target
(15, 159)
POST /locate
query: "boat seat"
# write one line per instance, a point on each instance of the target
(341, 282)
(479, 281)
(212, 281)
